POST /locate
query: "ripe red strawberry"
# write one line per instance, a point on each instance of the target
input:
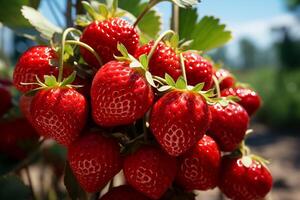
(120, 95)
(164, 60)
(198, 69)
(248, 180)
(150, 171)
(199, 167)
(225, 78)
(178, 120)
(59, 113)
(36, 61)
(250, 100)
(124, 192)
(5, 100)
(104, 36)
(94, 160)
(25, 104)
(17, 138)
(228, 126)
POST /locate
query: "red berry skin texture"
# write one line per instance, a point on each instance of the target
(104, 36)
(5, 100)
(250, 100)
(120, 95)
(94, 160)
(225, 78)
(228, 125)
(178, 120)
(124, 192)
(150, 171)
(198, 70)
(199, 167)
(34, 62)
(163, 61)
(14, 135)
(238, 181)
(59, 113)
(25, 104)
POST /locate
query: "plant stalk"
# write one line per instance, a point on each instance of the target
(175, 18)
(150, 5)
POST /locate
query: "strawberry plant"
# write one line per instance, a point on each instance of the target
(140, 113)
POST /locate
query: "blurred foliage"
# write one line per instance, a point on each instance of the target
(280, 90)
(292, 4)
(11, 187)
(13, 7)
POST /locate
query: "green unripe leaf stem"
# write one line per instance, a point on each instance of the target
(217, 86)
(150, 5)
(87, 47)
(157, 41)
(62, 50)
(182, 65)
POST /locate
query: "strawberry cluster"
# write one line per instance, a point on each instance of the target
(165, 116)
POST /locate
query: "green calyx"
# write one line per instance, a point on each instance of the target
(97, 11)
(52, 82)
(140, 65)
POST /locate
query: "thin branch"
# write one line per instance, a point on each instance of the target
(68, 14)
(175, 18)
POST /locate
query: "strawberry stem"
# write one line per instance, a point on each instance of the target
(216, 82)
(61, 58)
(182, 65)
(87, 47)
(157, 41)
(151, 4)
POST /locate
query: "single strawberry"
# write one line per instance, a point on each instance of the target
(120, 95)
(103, 37)
(17, 138)
(225, 78)
(36, 61)
(94, 160)
(178, 120)
(229, 124)
(25, 104)
(199, 167)
(59, 113)
(150, 171)
(249, 99)
(124, 192)
(164, 60)
(244, 178)
(198, 69)
(5, 100)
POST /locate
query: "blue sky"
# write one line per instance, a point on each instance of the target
(245, 18)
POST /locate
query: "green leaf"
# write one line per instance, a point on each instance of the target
(187, 22)
(207, 34)
(50, 80)
(70, 79)
(40, 23)
(144, 61)
(73, 188)
(180, 83)
(150, 25)
(150, 79)
(122, 49)
(174, 41)
(10, 14)
(170, 81)
(198, 87)
(11, 187)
